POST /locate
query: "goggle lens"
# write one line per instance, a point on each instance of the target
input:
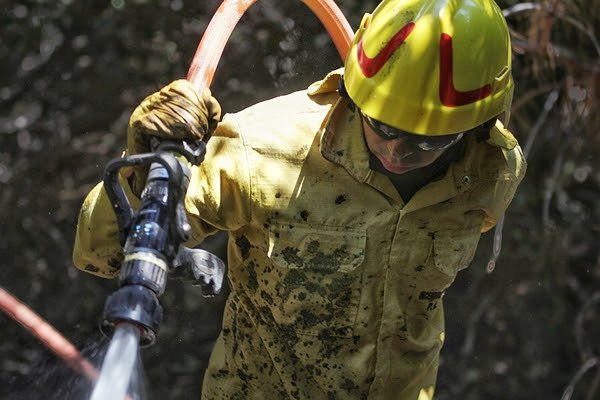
(423, 143)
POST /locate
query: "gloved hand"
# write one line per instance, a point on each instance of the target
(176, 112)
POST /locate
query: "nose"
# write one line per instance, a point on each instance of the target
(397, 148)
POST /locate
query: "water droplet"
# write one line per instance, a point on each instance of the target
(118, 4)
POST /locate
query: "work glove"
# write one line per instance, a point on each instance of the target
(176, 112)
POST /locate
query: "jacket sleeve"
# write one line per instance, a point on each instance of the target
(219, 195)
(217, 198)
(97, 249)
(510, 175)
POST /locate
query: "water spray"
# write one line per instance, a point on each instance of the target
(45, 333)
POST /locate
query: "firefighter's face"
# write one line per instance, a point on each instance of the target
(399, 151)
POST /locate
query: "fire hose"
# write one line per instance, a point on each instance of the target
(47, 335)
(161, 216)
(226, 17)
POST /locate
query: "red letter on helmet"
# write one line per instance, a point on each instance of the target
(449, 96)
(371, 66)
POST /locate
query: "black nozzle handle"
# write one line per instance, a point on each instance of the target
(120, 202)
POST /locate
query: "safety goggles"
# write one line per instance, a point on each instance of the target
(422, 143)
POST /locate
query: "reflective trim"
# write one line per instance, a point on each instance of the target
(148, 257)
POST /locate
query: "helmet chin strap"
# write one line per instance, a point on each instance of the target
(482, 132)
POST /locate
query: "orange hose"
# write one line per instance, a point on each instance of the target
(334, 21)
(47, 335)
(210, 49)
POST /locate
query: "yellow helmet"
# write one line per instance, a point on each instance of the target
(431, 67)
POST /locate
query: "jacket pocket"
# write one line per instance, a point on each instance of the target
(319, 279)
(454, 249)
(316, 248)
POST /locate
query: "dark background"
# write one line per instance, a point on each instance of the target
(72, 71)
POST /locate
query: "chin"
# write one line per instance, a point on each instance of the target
(395, 169)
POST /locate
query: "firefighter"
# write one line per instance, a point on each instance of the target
(350, 206)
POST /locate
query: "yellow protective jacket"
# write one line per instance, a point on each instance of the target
(336, 282)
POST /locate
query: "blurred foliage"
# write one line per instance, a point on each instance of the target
(73, 71)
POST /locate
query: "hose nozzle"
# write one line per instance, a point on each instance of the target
(134, 304)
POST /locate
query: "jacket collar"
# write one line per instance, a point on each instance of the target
(342, 141)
